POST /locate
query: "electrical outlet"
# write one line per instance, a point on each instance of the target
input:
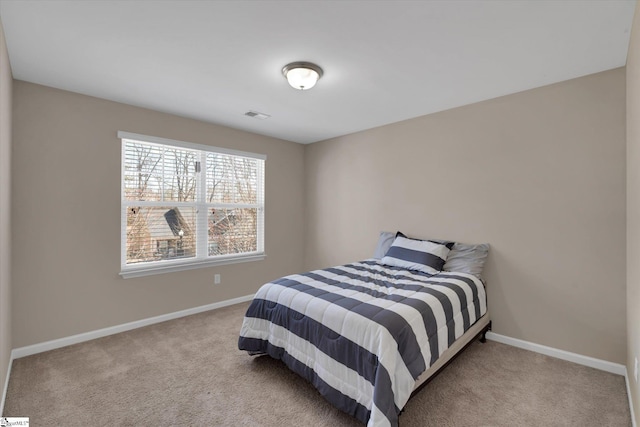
(216, 279)
(635, 370)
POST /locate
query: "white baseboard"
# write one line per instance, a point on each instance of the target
(87, 336)
(633, 415)
(6, 384)
(603, 365)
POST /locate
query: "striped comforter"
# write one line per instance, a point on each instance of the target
(362, 333)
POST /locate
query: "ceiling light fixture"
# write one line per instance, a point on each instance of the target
(302, 75)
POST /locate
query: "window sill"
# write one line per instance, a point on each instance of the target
(148, 270)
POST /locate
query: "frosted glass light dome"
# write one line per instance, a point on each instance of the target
(302, 75)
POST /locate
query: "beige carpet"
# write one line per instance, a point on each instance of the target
(189, 372)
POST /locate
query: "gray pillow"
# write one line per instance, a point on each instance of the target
(384, 243)
(467, 258)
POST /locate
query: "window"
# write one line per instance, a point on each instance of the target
(186, 205)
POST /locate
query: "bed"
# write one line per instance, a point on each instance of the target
(368, 334)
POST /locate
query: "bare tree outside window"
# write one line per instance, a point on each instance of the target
(165, 174)
(232, 180)
(161, 199)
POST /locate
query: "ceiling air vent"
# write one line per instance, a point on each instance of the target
(257, 115)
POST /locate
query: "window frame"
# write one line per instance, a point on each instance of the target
(201, 259)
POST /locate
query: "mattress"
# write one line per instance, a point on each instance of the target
(363, 333)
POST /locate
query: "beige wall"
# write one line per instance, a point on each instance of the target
(540, 175)
(6, 83)
(633, 210)
(66, 216)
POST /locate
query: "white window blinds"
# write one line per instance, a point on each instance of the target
(185, 204)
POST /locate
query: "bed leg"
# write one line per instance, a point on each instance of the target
(483, 337)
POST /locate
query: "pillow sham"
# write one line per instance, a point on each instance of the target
(412, 254)
(384, 243)
(442, 242)
(469, 259)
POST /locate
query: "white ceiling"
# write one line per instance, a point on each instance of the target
(384, 61)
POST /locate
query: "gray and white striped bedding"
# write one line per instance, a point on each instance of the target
(362, 333)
